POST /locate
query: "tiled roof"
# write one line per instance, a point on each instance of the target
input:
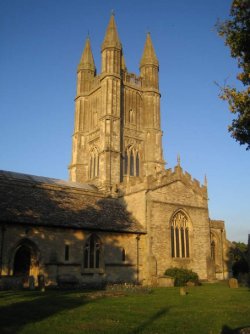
(35, 200)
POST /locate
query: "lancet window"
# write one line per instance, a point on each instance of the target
(92, 252)
(213, 250)
(180, 245)
(123, 255)
(94, 164)
(131, 162)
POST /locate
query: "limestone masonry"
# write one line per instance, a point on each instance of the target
(122, 217)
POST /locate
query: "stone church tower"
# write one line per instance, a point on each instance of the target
(122, 217)
(117, 146)
(117, 133)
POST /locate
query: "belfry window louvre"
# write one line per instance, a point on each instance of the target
(131, 162)
(180, 236)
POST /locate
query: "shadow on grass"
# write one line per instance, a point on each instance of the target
(15, 316)
(148, 322)
(239, 330)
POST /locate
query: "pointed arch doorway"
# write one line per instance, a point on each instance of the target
(25, 261)
(22, 261)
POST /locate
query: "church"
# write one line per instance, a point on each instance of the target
(121, 217)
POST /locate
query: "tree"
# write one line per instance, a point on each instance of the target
(239, 258)
(236, 32)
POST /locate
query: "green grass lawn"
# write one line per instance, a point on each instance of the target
(210, 308)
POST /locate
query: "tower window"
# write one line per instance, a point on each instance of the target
(180, 236)
(131, 162)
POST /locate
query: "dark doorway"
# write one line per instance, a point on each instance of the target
(22, 261)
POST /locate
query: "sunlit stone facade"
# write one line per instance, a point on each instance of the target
(122, 217)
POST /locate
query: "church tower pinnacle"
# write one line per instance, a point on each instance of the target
(149, 65)
(117, 136)
(111, 39)
(86, 69)
(149, 56)
(149, 68)
(87, 59)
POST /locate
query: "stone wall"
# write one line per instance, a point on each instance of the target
(120, 254)
(165, 202)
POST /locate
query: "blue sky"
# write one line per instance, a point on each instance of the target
(42, 42)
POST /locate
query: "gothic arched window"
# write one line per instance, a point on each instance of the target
(92, 252)
(180, 236)
(131, 162)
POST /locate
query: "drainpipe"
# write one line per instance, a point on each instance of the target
(138, 258)
(3, 229)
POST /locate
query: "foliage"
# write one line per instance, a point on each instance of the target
(182, 276)
(236, 33)
(239, 258)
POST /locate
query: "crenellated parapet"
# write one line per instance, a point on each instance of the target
(132, 79)
(164, 178)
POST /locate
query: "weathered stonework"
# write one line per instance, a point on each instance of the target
(122, 217)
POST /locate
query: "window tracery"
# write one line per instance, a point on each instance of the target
(180, 236)
(131, 162)
(92, 252)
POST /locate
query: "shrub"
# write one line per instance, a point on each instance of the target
(182, 276)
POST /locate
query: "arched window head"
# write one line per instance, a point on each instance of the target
(180, 236)
(92, 252)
